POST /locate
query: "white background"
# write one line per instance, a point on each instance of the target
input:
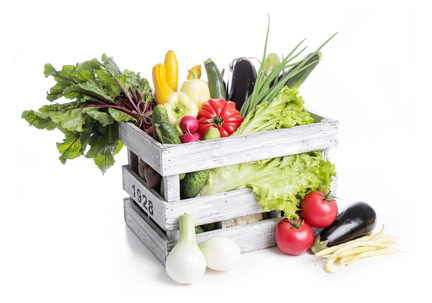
(63, 237)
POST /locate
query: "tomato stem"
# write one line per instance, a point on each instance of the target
(216, 121)
(296, 222)
(328, 196)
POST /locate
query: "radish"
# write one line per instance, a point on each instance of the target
(189, 124)
(196, 135)
(188, 138)
(150, 131)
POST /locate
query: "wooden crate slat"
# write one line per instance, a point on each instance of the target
(205, 209)
(319, 117)
(171, 188)
(145, 230)
(249, 237)
(141, 144)
(146, 197)
(213, 208)
(173, 159)
(155, 220)
(183, 158)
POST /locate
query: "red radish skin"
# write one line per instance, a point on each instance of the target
(150, 131)
(196, 135)
(188, 138)
(189, 124)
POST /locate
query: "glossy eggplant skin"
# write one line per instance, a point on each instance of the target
(242, 81)
(356, 220)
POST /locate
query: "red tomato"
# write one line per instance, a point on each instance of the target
(319, 209)
(294, 237)
(220, 114)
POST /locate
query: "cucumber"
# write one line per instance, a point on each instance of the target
(192, 183)
(159, 113)
(179, 130)
(166, 133)
(215, 81)
(198, 230)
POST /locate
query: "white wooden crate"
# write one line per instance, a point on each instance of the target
(152, 217)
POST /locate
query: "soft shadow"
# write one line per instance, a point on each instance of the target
(141, 250)
(276, 251)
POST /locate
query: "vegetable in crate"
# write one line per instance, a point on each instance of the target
(189, 124)
(356, 220)
(148, 174)
(166, 132)
(186, 263)
(179, 105)
(244, 220)
(197, 70)
(193, 182)
(171, 68)
(242, 81)
(268, 86)
(187, 127)
(270, 63)
(285, 111)
(215, 81)
(159, 114)
(197, 90)
(311, 61)
(219, 114)
(162, 88)
(190, 137)
(279, 182)
(101, 96)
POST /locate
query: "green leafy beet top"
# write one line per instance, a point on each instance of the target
(101, 96)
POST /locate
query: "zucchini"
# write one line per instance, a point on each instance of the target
(214, 79)
(297, 80)
(166, 133)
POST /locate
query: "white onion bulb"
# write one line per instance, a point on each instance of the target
(220, 253)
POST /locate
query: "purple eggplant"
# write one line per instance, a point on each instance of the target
(242, 81)
(356, 220)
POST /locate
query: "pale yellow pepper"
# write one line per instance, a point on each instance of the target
(197, 90)
(178, 105)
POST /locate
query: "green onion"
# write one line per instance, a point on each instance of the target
(262, 90)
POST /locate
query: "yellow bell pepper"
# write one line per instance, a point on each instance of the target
(171, 67)
(162, 90)
(178, 105)
(196, 89)
(197, 70)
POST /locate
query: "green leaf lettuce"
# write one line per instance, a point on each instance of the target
(278, 183)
